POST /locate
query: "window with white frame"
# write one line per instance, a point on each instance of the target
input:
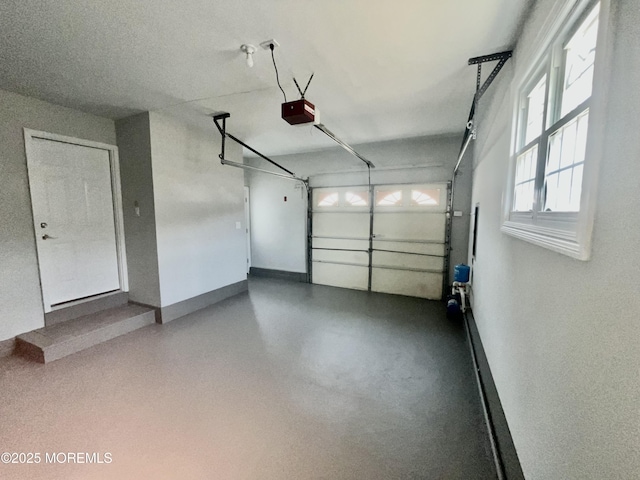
(552, 127)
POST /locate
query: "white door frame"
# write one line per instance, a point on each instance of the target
(114, 164)
(247, 219)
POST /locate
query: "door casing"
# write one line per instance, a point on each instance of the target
(29, 137)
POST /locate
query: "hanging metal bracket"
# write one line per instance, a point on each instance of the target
(222, 116)
(469, 135)
(481, 88)
(501, 57)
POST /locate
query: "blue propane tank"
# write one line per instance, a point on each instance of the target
(461, 273)
(453, 308)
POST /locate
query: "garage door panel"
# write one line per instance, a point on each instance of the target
(408, 239)
(340, 243)
(345, 276)
(339, 256)
(404, 282)
(410, 247)
(409, 226)
(407, 260)
(341, 225)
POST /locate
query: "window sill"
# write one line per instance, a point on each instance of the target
(561, 241)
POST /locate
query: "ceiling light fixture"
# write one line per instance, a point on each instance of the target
(249, 50)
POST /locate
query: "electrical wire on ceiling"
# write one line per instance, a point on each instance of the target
(272, 48)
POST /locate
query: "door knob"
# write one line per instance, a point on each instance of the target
(47, 237)
(43, 225)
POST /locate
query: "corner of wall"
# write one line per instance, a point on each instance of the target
(134, 145)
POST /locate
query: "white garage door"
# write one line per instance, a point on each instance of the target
(390, 238)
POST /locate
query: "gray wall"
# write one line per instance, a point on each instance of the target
(134, 145)
(21, 308)
(562, 335)
(278, 228)
(199, 208)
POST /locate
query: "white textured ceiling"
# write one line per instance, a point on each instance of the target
(383, 69)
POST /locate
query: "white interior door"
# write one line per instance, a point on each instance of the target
(73, 213)
(406, 227)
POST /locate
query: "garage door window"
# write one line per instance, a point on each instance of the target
(357, 199)
(425, 197)
(386, 198)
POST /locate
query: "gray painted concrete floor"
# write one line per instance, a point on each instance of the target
(290, 381)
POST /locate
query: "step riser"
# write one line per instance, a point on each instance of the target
(28, 350)
(86, 308)
(105, 334)
(40, 348)
(7, 347)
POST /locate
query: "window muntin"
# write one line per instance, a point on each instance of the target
(567, 148)
(524, 190)
(535, 111)
(580, 53)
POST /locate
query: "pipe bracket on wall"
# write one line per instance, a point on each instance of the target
(222, 117)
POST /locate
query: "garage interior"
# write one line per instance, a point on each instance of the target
(273, 299)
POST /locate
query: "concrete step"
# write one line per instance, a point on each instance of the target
(84, 307)
(57, 341)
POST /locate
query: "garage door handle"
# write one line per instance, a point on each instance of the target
(47, 237)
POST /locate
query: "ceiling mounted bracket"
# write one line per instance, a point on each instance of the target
(222, 116)
(469, 135)
(481, 88)
(501, 58)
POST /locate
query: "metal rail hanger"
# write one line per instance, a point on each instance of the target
(217, 117)
(347, 147)
(470, 134)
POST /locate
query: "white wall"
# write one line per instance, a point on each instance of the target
(134, 146)
(562, 336)
(21, 307)
(278, 229)
(197, 204)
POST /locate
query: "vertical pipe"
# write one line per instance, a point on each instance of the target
(309, 233)
(371, 200)
(497, 459)
(224, 135)
(447, 240)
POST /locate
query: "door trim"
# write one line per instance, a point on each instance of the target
(114, 164)
(247, 221)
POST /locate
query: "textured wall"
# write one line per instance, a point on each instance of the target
(562, 335)
(198, 202)
(134, 145)
(21, 307)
